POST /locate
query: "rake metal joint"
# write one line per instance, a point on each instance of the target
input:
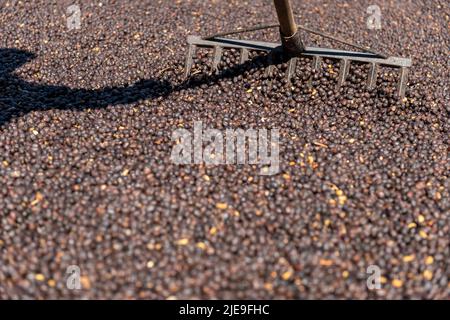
(292, 45)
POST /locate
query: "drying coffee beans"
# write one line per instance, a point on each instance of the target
(92, 206)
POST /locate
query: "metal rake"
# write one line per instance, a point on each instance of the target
(293, 46)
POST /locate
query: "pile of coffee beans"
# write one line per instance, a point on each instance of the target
(88, 184)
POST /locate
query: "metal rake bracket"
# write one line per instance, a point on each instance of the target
(345, 57)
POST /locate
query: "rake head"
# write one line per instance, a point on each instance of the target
(317, 54)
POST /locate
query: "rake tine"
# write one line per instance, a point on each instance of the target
(343, 72)
(244, 55)
(189, 61)
(216, 59)
(316, 63)
(372, 80)
(269, 69)
(291, 69)
(402, 82)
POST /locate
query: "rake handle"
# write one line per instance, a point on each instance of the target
(290, 37)
(288, 27)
